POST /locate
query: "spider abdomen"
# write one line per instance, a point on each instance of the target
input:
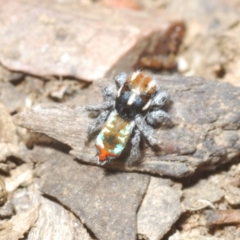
(113, 137)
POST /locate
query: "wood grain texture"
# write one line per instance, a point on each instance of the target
(205, 131)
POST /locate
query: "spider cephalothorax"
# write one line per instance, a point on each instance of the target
(135, 96)
(128, 114)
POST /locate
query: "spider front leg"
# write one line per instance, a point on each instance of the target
(146, 130)
(159, 100)
(109, 97)
(157, 117)
(135, 141)
(120, 79)
(108, 94)
(100, 107)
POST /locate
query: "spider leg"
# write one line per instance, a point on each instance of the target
(100, 119)
(109, 97)
(135, 141)
(146, 130)
(157, 117)
(99, 107)
(120, 78)
(108, 93)
(159, 100)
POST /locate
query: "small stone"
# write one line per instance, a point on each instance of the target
(232, 195)
(160, 209)
(202, 195)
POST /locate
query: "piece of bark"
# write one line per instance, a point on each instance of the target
(8, 139)
(21, 176)
(56, 223)
(86, 42)
(7, 128)
(7, 150)
(9, 76)
(105, 201)
(160, 209)
(232, 194)
(201, 195)
(3, 192)
(220, 217)
(6, 211)
(41, 117)
(19, 224)
(203, 113)
(11, 150)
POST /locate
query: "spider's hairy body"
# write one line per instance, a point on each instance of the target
(135, 95)
(113, 137)
(127, 115)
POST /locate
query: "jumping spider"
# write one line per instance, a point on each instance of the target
(128, 114)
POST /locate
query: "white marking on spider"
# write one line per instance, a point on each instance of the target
(134, 75)
(147, 105)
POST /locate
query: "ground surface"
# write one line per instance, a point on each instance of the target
(55, 59)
